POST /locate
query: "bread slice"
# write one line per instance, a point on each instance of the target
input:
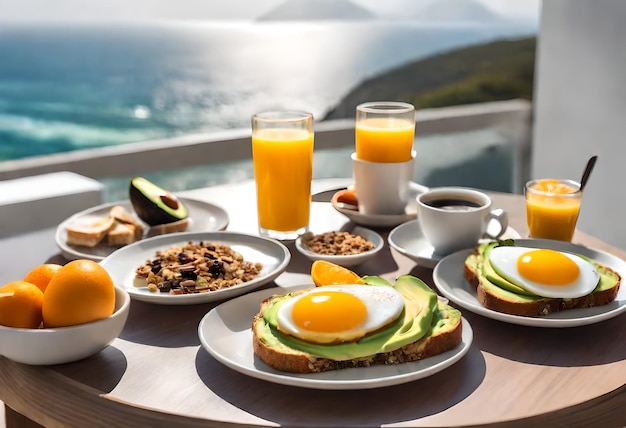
(121, 234)
(445, 334)
(498, 299)
(120, 214)
(173, 227)
(88, 231)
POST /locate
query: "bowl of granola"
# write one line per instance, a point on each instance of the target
(189, 268)
(345, 248)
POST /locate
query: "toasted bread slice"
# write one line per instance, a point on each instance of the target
(175, 226)
(505, 301)
(447, 335)
(120, 214)
(88, 231)
(121, 234)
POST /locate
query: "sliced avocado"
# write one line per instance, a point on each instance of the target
(444, 317)
(375, 280)
(608, 278)
(414, 323)
(506, 294)
(419, 304)
(153, 204)
(495, 276)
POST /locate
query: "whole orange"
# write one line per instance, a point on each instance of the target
(42, 274)
(20, 305)
(81, 291)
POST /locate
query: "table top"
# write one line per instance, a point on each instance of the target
(157, 373)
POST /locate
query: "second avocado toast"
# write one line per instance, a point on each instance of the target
(497, 293)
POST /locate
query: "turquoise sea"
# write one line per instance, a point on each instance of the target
(68, 87)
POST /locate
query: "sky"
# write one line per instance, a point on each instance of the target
(89, 10)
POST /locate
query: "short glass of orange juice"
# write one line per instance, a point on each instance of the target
(384, 131)
(552, 207)
(282, 153)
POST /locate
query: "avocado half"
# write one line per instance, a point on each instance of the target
(153, 204)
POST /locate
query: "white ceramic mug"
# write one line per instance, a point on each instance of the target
(382, 187)
(455, 218)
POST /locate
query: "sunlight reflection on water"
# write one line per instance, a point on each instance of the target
(99, 86)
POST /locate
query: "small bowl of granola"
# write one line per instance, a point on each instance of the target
(344, 248)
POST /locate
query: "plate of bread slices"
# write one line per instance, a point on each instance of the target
(535, 282)
(304, 336)
(151, 211)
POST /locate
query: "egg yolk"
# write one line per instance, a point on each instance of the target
(329, 311)
(547, 267)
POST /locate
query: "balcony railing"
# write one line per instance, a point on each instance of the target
(510, 119)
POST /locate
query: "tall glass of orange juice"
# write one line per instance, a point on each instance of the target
(552, 208)
(384, 131)
(282, 153)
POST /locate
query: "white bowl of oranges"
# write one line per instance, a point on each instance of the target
(58, 314)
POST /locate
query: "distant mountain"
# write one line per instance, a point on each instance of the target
(454, 11)
(499, 70)
(315, 10)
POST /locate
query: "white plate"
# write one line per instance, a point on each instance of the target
(351, 259)
(122, 263)
(408, 240)
(203, 217)
(383, 220)
(225, 333)
(448, 277)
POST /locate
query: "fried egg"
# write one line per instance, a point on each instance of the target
(343, 313)
(544, 272)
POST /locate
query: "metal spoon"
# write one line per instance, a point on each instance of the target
(590, 164)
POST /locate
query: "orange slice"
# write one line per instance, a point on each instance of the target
(327, 273)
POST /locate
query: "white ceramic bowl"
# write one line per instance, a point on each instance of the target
(46, 346)
(347, 260)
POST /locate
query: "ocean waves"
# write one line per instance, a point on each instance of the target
(65, 89)
(24, 136)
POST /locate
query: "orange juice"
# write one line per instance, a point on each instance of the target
(384, 139)
(283, 159)
(552, 208)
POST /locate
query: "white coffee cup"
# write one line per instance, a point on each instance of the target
(382, 187)
(455, 218)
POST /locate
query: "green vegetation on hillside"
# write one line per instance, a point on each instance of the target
(499, 70)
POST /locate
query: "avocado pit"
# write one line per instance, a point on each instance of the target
(170, 200)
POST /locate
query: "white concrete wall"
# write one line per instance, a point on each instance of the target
(580, 107)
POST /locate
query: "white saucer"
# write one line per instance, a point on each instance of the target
(408, 240)
(385, 220)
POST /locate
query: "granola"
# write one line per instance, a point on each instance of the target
(337, 243)
(196, 268)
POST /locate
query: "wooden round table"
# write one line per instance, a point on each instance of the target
(157, 374)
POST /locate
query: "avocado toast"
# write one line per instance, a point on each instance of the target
(427, 326)
(497, 293)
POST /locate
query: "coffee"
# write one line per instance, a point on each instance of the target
(456, 218)
(452, 204)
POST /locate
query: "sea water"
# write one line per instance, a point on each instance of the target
(68, 87)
